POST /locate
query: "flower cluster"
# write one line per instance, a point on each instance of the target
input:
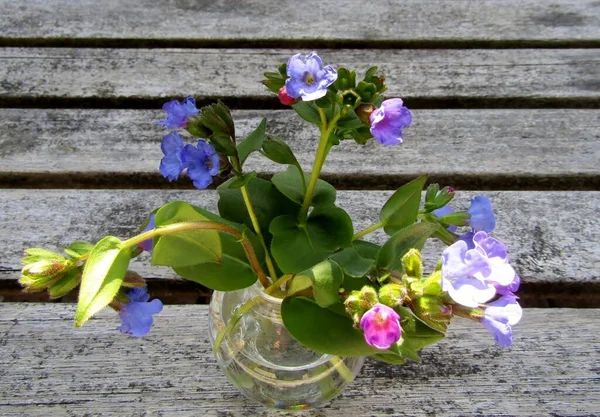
(288, 233)
(201, 161)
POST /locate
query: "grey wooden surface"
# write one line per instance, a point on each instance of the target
(539, 75)
(275, 20)
(535, 147)
(505, 94)
(48, 368)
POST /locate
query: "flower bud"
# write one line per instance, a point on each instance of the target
(413, 266)
(432, 311)
(285, 98)
(358, 302)
(364, 113)
(393, 295)
(38, 275)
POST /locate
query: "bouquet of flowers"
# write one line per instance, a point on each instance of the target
(288, 233)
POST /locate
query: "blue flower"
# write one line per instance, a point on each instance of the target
(308, 78)
(178, 113)
(147, 244)
(202, 163)
(482, 215)
(500, 316)
(136, 315)
(171, 165)
(472, 276)
(388, 121)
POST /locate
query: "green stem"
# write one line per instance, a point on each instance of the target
(368, 230)
(256, 226)
(342, 369)
(246, 307)
(183, 227)
(277, 284)
(322, 150)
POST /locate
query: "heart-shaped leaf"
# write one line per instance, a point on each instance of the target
(413, 236)
(402, 207)
(289, 183)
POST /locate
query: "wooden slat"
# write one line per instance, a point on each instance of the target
(114, 74)
(535, 147)
(551, 236)
(46, 364)
(256, 20)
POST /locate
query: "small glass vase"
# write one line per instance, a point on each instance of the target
(264, 361)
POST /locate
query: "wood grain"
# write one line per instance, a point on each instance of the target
(48, 365)
(531, 146)
(260, 20)
(551, 236)
(141, 74)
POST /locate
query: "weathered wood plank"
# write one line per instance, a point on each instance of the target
(95, 370)
(551, 236)
(529, 145)
(255, 20)
(114, 74)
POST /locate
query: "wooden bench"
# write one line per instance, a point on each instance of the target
(505, 96)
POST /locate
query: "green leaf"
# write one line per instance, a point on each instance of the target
(78, 249)
(278, 151)
(326, 278)
(267, 201)
(413, 236)
(102, 277)
(308, 112)
(352, 262)
(402, 208)
(306, 322)
(232, 273)
(239, 182)
(184, 248)
(253, 141)
(298, 247)
(392, 359)
(289, 183)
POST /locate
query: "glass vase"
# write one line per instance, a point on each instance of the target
(260, 357)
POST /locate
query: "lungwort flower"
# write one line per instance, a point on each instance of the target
(178, 113)
(136, 315)
(308, 78)
(472, 276)
(388, 121)
(482, 215)
(381, 326)
(201, 161)
(147, 244)
(500, 316)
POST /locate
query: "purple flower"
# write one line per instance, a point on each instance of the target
(171, 165)
(308, 78)
(202, 163)
(381, 326)
(178, 113)
(136, 315)
(442, 212)
(147, 244)
(388, 121)
(500, 316)
(482, 215)
(471, 275)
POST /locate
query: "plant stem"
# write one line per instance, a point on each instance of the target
(182, 227)
(342, 369)
(239, 313)
(256, 226)
(322, 150)
(277, 284)
(368, 230)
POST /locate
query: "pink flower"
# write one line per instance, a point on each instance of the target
(381, 326)
(285, 98)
